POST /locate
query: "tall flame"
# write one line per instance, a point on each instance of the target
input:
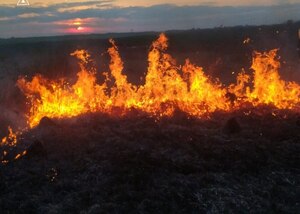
(268, 87)
(167, 87)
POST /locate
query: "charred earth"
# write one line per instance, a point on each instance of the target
(137, 164)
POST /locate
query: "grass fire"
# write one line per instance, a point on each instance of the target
(167, 87)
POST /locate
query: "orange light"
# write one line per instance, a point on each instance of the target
(167, 87)
(76, 23)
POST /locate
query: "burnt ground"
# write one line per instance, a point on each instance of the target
(137, 164)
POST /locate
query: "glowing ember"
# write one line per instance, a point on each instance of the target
(246, 41)
(10, 139)
(167, 87)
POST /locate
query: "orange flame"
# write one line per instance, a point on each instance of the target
(268, 87)
(11, 139)
(167, 87)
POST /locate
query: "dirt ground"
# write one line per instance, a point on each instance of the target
(136, 164)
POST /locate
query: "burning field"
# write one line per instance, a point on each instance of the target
(167, 87)
(182, 141)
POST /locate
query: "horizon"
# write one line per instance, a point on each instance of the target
(144, 32)
(71, 17)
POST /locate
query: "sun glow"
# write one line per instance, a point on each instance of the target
(76, 23)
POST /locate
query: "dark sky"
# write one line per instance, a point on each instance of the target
(60, 17)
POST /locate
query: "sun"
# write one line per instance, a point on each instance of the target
(79, 28)
(77, 23)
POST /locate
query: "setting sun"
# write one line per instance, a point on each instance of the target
(76, 23)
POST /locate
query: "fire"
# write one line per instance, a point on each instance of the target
(167, 87)
(268, 87)
(58, 99)
(10, 139)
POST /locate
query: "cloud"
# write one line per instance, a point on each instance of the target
(6, 18)
(101, 16)
(28, 15)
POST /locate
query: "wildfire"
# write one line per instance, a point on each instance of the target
(167, 87)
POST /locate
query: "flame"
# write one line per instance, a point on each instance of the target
(268, 87)
(167, 87)
(11, 139)
(59, 99)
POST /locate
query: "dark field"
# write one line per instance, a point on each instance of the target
(99, 164)
(137, 164)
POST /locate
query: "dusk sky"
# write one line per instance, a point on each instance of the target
(61, 17)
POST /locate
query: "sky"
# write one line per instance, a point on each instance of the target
(63, 17)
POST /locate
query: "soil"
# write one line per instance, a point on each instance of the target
(137, 164)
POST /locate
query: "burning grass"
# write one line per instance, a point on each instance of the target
(167, 87)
